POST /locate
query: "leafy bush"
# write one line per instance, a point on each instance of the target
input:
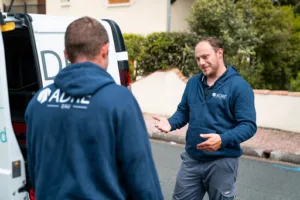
(261, 40)
(295, 83)
(134, 46)
(162, 50)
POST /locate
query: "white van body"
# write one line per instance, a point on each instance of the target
(9, 147)
(39, 62)
(49, 36)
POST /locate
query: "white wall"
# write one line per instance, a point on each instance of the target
(142, 16)
(278, 111)
(160, 93)
(180, 10)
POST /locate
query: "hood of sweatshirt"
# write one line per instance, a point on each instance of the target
(82, 79)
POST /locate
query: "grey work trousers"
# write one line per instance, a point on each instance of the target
(216, 177)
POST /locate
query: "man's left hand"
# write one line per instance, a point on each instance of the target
(213, 142)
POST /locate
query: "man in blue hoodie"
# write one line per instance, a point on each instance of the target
(219, 106)
(86, 136)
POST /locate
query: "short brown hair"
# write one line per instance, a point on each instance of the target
(214, 42)
(84, 37)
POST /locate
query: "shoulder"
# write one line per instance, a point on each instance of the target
(115, 95)
(44, 93)
(194, 79)
(240, 84)
(41, 96)
(241, 89)
(117, 91)
(121, 102)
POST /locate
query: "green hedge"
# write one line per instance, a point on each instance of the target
(162, 50)
(134, 46)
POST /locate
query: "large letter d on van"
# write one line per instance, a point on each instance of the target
(3, 136)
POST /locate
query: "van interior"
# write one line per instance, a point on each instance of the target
(22, 79)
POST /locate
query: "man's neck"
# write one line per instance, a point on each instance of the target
(211, 80)
(96, 61)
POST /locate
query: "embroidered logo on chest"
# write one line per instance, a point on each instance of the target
(219, 96)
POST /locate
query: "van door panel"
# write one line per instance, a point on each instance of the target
(12, 170)
(49, 34)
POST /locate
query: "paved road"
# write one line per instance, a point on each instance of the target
(257, 179)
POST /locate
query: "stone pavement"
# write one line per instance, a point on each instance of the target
(266, 143)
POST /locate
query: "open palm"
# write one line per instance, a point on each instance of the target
(163, 124)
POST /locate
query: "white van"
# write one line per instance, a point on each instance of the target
(31, 54)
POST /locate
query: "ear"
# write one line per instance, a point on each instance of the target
(104, 51)
(220, 53)
(66, 55)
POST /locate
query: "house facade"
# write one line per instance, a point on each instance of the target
(133, 16)
(180, 10)
(24, 6)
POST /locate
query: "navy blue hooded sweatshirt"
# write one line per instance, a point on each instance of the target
(226, 108)
(87, 139)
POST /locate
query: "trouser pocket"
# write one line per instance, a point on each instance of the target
(221, 178)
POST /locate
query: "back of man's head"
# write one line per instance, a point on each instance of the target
(84, 38)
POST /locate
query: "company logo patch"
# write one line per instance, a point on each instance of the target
(43, 96)
(59, 99)
(219, 96)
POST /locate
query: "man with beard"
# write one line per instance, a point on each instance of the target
(219, 106)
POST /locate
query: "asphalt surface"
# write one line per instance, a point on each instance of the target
(257, 179)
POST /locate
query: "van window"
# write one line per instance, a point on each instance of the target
(21, 78)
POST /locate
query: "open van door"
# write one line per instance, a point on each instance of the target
(49, 34)
(12, 166)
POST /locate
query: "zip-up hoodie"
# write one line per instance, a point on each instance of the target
(86, 139)
(226, 109)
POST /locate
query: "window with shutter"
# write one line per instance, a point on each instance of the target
(118, 1)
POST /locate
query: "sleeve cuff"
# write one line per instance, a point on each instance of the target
(225, 139)
(172, 124)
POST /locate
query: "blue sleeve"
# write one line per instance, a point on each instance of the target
(29, 146)
(134, 155)
(245, 116)
(181, 117)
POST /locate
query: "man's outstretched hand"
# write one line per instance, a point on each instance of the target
(213, 142)
(162, 124)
